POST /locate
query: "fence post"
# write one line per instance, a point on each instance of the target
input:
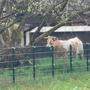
(13, 61)
(87, 56)
(70, 58)
(53, 64)
(34, 69)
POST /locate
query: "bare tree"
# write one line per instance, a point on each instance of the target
(67, 16)
(18, 11)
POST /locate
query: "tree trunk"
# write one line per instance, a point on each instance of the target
(2, 41)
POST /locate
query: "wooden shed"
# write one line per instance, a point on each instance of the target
(64, 32)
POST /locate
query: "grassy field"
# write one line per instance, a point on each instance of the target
(79, 79)
(70, 81)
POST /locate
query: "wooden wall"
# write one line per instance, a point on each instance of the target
(83, 36)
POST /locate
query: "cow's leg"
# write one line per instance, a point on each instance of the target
(80, 55)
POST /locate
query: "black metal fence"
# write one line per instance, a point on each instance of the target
(16, 62)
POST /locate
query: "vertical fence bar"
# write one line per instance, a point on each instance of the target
(70, 58)
(87, 55)
(53, 64)
(34, 69)
(13, 61)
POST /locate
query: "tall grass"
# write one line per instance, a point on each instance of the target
(79, 79)
(72, 81)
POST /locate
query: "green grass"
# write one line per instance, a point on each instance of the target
(79, 79)
(72, 81)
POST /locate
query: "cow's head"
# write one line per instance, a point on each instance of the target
(50, 40)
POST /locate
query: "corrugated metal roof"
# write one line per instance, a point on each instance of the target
(73, 29)
(64, 29)
(43, 29)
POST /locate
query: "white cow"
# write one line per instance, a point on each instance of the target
(63, 46)
(77, 46)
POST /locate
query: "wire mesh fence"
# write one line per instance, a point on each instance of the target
(26, 64)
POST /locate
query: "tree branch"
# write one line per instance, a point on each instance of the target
(2, 5)
(62, 23)
(9, 15)
(23, 22)
(63, 5)
(5, 28)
